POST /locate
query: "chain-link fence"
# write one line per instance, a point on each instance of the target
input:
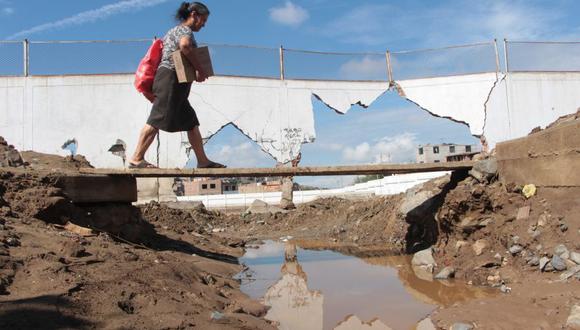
(11, 58)
(19, 58)
(448, 61)
(525, 56)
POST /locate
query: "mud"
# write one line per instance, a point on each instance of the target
(158, 266)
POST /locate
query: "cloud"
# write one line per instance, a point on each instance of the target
(7, 11)
(289, 14)
(366, 68)
(450, 22)
(399, 148)
(245, 154)
(90, 16)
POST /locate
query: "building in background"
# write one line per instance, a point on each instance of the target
(202, 186)
(446, 152)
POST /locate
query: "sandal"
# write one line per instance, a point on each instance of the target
(213, 165)
(142, 164)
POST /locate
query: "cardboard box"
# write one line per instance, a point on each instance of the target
(185, 70)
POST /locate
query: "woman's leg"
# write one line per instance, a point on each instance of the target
(196, 142)
(146, 137)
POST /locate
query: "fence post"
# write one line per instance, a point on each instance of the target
(497, 65)
(505, 51)
(282, 72)
(389, 68)
(26, 47)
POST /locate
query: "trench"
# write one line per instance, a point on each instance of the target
(308, 288)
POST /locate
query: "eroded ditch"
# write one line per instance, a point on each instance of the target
(324, 289)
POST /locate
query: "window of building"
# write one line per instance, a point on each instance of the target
(437, 161)
(420, 151)
(467, 148)
(435, 150)
(227, 188)
(451, 149)
(212, 186)
(204, 186)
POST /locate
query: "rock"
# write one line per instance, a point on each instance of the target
(535, 261)
(479, 246)
(575, 256)
(516, 239)
(484, 170)
(216, 316)
(573, 321)
(515, 249)
(569, 273)
(563, 227)
(486, 222)
(543, 262)
(561, 251)
(73, 249)
(558, 263)
(261, 207)
(461, 326)
(425, 324)
(468, 225)
(424, 259)
(459, 245)
(505, 289)
(523, 213)
(445, 273)
(543, 220)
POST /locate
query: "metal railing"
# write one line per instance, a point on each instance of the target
(542, 56)
(23, 58)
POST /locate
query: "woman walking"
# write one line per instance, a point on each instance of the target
(171, 110)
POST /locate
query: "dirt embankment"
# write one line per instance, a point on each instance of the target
(147, 268)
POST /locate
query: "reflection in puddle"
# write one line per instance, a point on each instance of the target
(308, 289)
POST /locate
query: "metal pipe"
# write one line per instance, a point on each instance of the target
(26, 48)
(505, 53)
(331, 53)
(497, 65)
(441, 48)
(282, 71)
(389, 68)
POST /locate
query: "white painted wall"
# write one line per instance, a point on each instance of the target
(390, 185)
(40, 113)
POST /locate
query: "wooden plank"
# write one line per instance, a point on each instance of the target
(385, 169)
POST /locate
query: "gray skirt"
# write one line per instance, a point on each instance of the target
(171, 110)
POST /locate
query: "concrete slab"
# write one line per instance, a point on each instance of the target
(99, 189)
(547, 158)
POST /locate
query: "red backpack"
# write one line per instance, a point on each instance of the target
(145, 74)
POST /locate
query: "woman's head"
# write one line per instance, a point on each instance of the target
(193, 14)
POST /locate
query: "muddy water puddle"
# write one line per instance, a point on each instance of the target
(322, 289)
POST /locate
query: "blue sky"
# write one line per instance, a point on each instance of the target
(389, 129)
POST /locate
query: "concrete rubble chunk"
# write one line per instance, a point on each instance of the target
(461, 326)
(558, 263)
(575, 256)
(561, 251)
(479, 246)
(425, 324)
(484, 170)
(515, 249)
(569, 273)
(523, 213)
(261, 207)
(424, 258)
(543, 262)
(445, 273)
(573, 321)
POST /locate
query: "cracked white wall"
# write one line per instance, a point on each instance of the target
(40, 113)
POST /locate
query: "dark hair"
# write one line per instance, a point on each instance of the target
(187, 8)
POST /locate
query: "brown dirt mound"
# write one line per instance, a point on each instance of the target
(179, 221)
